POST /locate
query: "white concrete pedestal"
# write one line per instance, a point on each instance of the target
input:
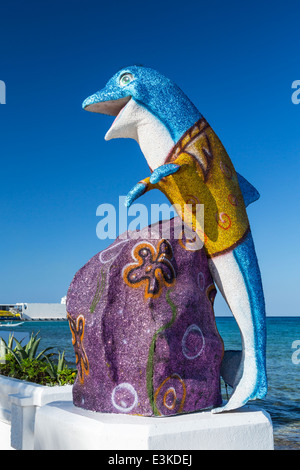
(62, 426)
(19, 401)
(5, 430)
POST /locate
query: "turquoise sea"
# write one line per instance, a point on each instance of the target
(283, 399)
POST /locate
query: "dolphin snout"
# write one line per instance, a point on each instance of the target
(109, 100)
(95, 98)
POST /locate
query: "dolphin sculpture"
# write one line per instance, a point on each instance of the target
(189, 164)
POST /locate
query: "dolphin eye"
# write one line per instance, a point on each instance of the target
(126, 78)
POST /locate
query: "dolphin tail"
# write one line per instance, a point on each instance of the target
(243, 292)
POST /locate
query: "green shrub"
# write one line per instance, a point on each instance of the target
(25, 363)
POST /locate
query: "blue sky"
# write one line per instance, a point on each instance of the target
(235, 60)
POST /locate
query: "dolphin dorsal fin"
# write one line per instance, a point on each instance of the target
(250, 194)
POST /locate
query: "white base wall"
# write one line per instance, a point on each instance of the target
(62, 426)
(5, 430)
(19, 401)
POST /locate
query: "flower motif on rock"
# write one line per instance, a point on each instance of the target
(153, 268)
(77, 330)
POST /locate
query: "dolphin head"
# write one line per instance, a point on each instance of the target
(139, 88)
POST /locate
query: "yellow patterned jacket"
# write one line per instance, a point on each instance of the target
(206, 177)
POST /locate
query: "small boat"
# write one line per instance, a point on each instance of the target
(9, 314)
(10, 323)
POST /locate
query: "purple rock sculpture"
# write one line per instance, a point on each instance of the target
(143, 327)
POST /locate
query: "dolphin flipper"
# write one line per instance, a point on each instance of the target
(162, 171)
(138, 190)
(148, 183)
(250, 193)
(248, 308)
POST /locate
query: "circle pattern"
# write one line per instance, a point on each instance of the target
(124, 397)
(193, 342)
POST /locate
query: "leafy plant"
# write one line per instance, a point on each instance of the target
(60, 372)
(29, 351)
(25, 363)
